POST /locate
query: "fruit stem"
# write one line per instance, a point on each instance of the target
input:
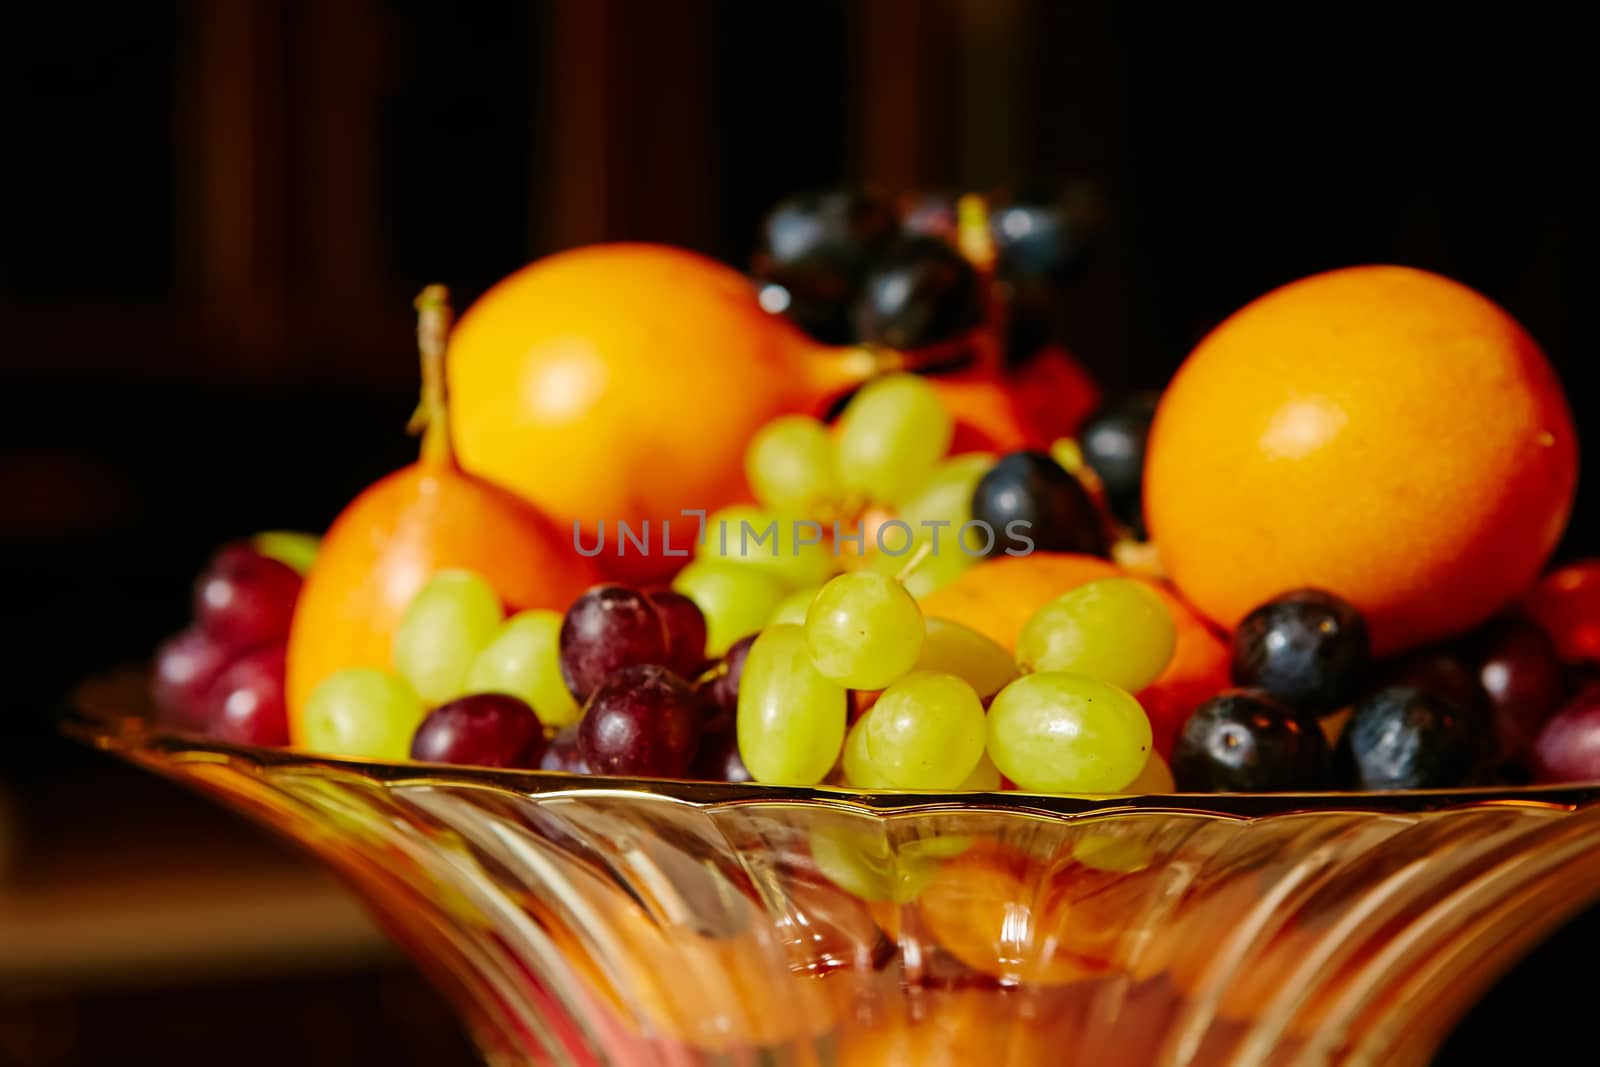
(432, 417)
(840, 369)
(972, 233)
(914, 562)
(976, 242)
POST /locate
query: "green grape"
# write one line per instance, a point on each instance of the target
(298, 550)
(925, 732)
(364, 713)
(967, 654)
(1064, 733)
(1114, 629)
(792, 608)
(936, 513)
(790, 465)
(862, 863)
(891, 436)
(445, 626)
(1114, 853)
(857, 861)
(791, 719)
(946, 496)
(736, 600)
(524, 659)
(934, 569)
(859, 770)
(863, 630)
(759, 539)
(939, 846)
(985, 777)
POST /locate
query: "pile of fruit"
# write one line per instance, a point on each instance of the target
(858, 537)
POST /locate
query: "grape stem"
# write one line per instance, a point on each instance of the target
(973, 238)
(975, 241)
(432, 417)
(711, 673)
(916, 560)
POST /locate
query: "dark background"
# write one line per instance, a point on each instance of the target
(213, 216)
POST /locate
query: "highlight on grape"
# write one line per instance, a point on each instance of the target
(776, 537)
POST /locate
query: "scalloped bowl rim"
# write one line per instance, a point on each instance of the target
(101, 714)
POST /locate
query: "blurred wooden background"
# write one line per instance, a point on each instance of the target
(213, 215)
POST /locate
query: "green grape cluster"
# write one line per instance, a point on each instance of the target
(452, 640)
(1061, 717)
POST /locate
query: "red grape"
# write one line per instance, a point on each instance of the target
(607, 628)
(1566, 604)
(643, 720)
(481, 730)
(720, 692)
(718, 759)
(686, 631)
(186, 666)
(1522, 675)
(245, 599)
(565, 756)
(246, 705)
(1568, 748)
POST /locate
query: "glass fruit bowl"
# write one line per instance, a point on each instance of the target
(588, 920)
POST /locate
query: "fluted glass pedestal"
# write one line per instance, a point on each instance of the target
(579, 920)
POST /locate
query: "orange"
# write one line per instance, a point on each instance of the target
(1004, 915)
(1379, 432)
(621, 383)
(998, 596)
(391, 539)
(935, 1026)
(396, 534)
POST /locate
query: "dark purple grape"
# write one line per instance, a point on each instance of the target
(1244, 741)
(643, 720)
(1113, 442)
(1443, 673)
(1402, 737)
(685, 624)
(922, 291)
(481, 730)
(565, 756)
(1307, 648)
(718, 759)
(1036, 242)
(817, 248)
(245, 599)
(246, 704)
(1522, 675)
(607, 628)
(1048, 505)
(1568, 747)
(720, 692)
(186, 666)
